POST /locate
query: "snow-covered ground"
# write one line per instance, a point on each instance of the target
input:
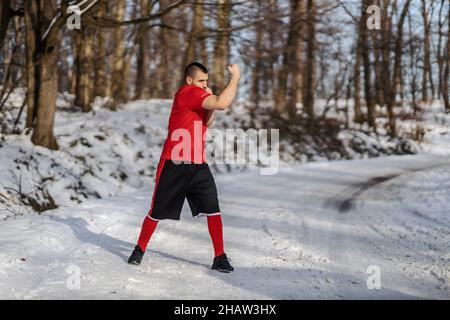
(313, 230)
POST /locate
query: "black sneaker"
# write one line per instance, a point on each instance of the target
(221, 264)
(136, 256)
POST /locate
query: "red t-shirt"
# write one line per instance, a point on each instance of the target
(187, 127)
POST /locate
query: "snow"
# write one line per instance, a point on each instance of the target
(313, 230)
(289, 245)
(100, 155)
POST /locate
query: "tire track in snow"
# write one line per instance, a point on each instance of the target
(340, 246)
(358, 188)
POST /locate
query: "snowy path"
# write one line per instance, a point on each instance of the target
(310, 231)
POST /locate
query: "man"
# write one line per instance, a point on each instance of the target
(182, 170)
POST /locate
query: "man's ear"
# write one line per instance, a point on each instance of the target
(188, 80)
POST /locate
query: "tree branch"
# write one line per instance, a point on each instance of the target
(111, 23)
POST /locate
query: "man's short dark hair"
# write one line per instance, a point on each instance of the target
(192, 68)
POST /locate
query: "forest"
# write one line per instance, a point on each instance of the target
(377, 62)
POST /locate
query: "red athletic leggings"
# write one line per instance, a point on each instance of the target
(214, 227)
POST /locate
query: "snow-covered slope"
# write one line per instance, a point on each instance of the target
(101, 154)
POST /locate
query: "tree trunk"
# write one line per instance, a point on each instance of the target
(290, 58)
(357, 84)
(426, 50)
(378, 70)
(5, 17)
(119, 76)
(30, 9)
(309, 76)
(257, 67)
(440, 55)
(193, 47)
(168, 56)
(100, 76)
(367, 66)
(385, 50)
(269, 72)
(47, 82)
(396, 71)
(296, 71)
(358, 61)
(143, 57)
(48, 90)
(221, 46)
(445, 85)
(412, 66)
(84, 94)
(64, 70)
(8, 53)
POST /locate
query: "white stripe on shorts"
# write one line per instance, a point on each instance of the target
(208, 214)
(152, 218)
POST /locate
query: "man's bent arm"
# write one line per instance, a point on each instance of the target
(225, 98)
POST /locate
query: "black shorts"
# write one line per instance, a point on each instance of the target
(177, 181)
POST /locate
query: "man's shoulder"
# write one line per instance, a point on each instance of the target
(190, 91)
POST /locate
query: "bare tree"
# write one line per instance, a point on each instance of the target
(426, 77)
(100, 72)
(143, 56)
(309, 76)
(412, 65)
(446, 77)
(396, 70)
(291, 59)
(119, 83)
(364, 45)
(30, 8)
(6, 14)
(46, 72)
(221, 45)
(84, 93)
(194, 47)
